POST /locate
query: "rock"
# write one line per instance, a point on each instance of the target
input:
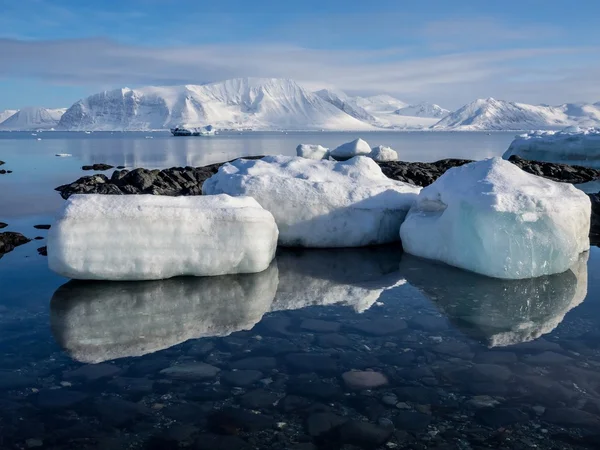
(92, 372)
(311, 362)
(38, 238)
(490, 372)
(33, 443)
(3, 225)
(14, 380)
(320, 326)
(180, 432)
(358, 360)
(496, 357)
(417, 394)
(118, 412)
(100, 167)
(42, 227)
(389, 399)
(264, 363)
(314, 389)
(187, 412)
(333, 340)
(547, 359)
(500, 417)
(133, 385)
(43, 251)
(321, 423)
(258, 399)
(293, 403)
(241, 378)
(411, 421)
(571, 417)
(364, 434)
(2, 163)
(191, 371)
(538, 345)
(232, 420)
(210, 441)
(380, 327)
(429, 323)
(9, 240)
(398, 359)
(364, 380)
(483, 401)
(455, 349)
(59, 398)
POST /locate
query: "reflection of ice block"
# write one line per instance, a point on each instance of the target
(148, 237)
(352, 277)
(500, 312)
(321, 203)
(100, 321)
(492, 218)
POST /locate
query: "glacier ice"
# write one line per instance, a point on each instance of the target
(96, 321)
(147, 237)
(492, 218)
(349, 150)
(354, 277)
(321, 203)
(499, 312)
(381, 153)
(573, 145)
(312, 151)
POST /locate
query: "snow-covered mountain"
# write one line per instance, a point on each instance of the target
(6, 114)
(257, 103)
(424, 109)
(379, 103)
(32, 118)
(347, 104)
(492, 114)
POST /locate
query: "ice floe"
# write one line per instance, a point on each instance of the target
(147, 237)
(321, 203)
(492, 218)
(348, 150)
(312, 151)
(382, 153)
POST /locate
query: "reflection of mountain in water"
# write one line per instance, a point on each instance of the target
(501, 312)
(100, 321)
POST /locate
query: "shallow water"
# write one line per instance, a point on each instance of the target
(469, 362)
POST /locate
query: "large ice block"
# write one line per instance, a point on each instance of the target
(321, 203)
(492, 218)
(146, 237)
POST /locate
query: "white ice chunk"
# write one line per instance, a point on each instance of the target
(492, 218)
(312, 151)
(354, 277)
(381, 153)
(348, 150)
(499, 312)
(147, 237)
(97, 321)
(572, 145)
(321, 203)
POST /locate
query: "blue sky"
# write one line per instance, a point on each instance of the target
(53, 52)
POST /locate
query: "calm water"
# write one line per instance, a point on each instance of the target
(465, 362)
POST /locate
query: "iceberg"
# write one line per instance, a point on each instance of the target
(320, 203)
(492, 218)
(96, 321)
(353, 277)
(147, 237)
(349, 150)
(312, 151)
(573, 145)
(382, 153)
(499, 312)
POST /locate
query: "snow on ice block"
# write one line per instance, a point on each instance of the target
(572, 145)
(381, 153)
(349, 150)
(97, 321)
(146, 237)
(492, 218)
(321, 203)
(312, 151)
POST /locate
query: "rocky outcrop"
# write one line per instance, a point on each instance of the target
(9, 240)
(99, 167)
(556, 172)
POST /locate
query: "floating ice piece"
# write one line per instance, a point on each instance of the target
(96, 321)
(492, 218)
(572, 145)
(348, 150)
(312, 151)
(321, 203)
(499, 312)
(382, 153)
(63, 155)
(354, 277)
(146, 237)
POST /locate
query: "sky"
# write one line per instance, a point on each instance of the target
(54, 52)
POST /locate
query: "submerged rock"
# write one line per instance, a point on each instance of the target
(99, 167)
(9, 240)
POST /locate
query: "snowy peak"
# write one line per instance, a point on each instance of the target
(257, 103)
(379, 103)
(424, 109)
(32, 118)
(492, 114)
(341, 101)
(6, 114)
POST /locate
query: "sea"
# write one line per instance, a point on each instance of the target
(326, 349)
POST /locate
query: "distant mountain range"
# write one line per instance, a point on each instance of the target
(278, 104)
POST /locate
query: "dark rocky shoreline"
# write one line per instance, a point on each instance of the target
(188, 180)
